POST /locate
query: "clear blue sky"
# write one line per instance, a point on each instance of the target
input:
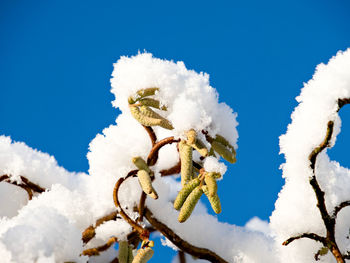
(56, 60)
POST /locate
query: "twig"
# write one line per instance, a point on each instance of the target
(198, 252)
(144, 234)
(182, 258)
(142, 205)
(306, 235)
(151, 134)
(96, 250)
(153, 155)
(340, 207)
(173, 170)
(89, 233)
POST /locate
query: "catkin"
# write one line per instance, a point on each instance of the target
(186, 162)
(123, 252)
(141, 164)
(130, 254)
(143, 255)
(199, 146)
(184, 192)
(144, 120)
(214, 200)
(223, 152)
(190, 204)
(210, 181)
(152, 103)
(146, 183)
(191, 136)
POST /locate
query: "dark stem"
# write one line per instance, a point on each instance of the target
(198, 252)
(89, 233)
(144, 234)
(306, 235)
(153, 155)
(151, 134)
(173, 170)
(339, 207)
(96, 250)
(182, 258)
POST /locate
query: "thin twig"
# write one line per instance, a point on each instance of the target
(153, 155)
(96, 250)
(198, 252)
(142, 205)
(306, 235)
(182, 258)
(173, 170)
(143, 232)
(340, 207)
(89, 233)
(151, 134)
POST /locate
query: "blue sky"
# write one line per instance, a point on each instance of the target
(56, 60)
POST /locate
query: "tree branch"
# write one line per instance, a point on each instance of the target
(173, 170)
(198, 252)
(340, 207)
(151, 134)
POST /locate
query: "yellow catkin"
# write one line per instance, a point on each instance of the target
(214, 200)
(130, 254)
(223, 152)
(191, 136)
(184, 192)
(186, 162)
(210, 181)
(146, 183)
(144, 120)
(190, 204)
(152, 103)
(199, 146)
(123, 252)
(215, 175)
(143, 255)
(141, 164)
(148, 112)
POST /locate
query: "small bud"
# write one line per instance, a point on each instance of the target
(148, 112)
(123, 252)
(146, 183)
(144, 120)
(186, 162)
(143, 255)
(190, 204)
(184, 192)
(223, 152)
(214, 200)
(141, 164)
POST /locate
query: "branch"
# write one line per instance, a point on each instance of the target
(182, 258)
(312, 236)
(89, 233)
(198, 252)
(153, 155)
(96, 250)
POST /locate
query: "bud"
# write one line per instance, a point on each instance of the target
(199, 146)
(190, 204)
(141, 94)
(186, 162)
(223, 152)
(184, 192)
(141, 164)
(148, 112)
(144, 120)
(191, 136)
